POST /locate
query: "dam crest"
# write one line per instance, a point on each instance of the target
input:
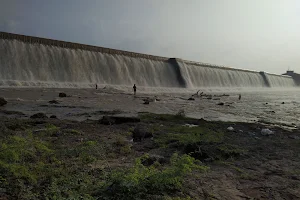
(39, 62)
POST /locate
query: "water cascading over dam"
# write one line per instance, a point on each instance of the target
(32, 61)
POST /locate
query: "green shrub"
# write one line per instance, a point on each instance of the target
(140, 181)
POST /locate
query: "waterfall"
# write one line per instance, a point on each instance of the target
(38, 62)
(280, 81)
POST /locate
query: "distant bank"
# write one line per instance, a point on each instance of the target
(39, 62)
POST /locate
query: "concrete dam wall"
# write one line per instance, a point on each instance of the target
(32, 61)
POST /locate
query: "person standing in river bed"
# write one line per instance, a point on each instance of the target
(134, 89)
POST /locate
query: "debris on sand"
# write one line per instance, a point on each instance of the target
(53, 102)
(2, 101)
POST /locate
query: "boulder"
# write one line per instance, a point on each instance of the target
(266, 132)
(2, 101)
(146, 102)
(191, 99)
(141, 132)
(282, 103)
(106, 120)
(39, 116)
(230, 128)
(53, 102)
(62, 94)
(220, 104)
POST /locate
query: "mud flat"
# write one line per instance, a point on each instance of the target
(154, 156)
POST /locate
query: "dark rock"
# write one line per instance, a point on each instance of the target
(2, 101)
(39, 116)
(141, 132)
(201, 121)
(62, 94)
(294, 137)
(146, 102)
(106, 120)
(53, 117)
(53, 102)
(221, 104)
(266, 103)
(109, 120)
(191, 99)
(282, 103)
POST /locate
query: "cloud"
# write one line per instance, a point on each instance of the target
(9, 25)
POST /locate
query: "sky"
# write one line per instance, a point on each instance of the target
(261, 35)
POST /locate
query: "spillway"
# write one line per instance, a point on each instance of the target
(32, 61)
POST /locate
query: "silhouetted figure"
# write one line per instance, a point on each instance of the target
(134, 89)
(240, 96)
(96, 86)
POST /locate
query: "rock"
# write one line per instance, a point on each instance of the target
(266, 103)
(282, 103)
(266, 132)
(2, 101)
(53, 102)
(191, 99)
(220, 104)
(146, 102)
(106, 120)
(230, 128)
(141, 132)
(39, 116)
(62, 94)
(295, 137)
(251, 134)
(53, 117)
(190, 125)
(109, 120)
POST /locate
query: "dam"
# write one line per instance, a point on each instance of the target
(27, 61)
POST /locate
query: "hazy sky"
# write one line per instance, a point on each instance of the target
(262, 35)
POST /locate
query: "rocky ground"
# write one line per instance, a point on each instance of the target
(152, 156)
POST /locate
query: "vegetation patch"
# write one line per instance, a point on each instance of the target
(140, 182)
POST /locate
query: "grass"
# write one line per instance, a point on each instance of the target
(183, 136)
(59, 163)
(140, 182)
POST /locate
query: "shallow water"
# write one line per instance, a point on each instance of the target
(263, 105)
